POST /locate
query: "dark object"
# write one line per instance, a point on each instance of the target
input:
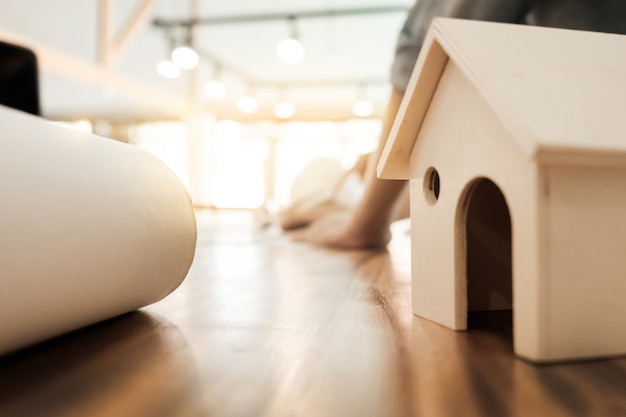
(19, 81)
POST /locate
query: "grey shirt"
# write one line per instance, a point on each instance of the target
(593, 15)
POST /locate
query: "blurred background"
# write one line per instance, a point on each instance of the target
(237, 97)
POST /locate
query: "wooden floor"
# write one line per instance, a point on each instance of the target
(263, 326)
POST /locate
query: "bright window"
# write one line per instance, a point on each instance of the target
(168, 142)
(248, 164)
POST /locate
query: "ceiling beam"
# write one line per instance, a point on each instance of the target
(110, 48)
(260, 17)
(105, 51)
(139, 17)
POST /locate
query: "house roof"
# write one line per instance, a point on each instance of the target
(561, 93)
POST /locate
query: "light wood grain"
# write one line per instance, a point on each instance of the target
(536, 113)
(267, 327)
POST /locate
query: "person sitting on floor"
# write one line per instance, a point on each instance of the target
(366, 225)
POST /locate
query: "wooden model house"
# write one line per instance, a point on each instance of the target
(514, 141)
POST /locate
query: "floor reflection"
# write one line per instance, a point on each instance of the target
(136, 356)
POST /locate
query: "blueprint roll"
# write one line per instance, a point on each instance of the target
(90, 228)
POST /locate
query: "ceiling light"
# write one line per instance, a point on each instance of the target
(185, 57)
(247, 104)
(167, 69)
(290, 51)
(214, 89)
(363, 108)
(284, 110)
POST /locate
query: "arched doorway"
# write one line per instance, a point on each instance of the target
(484, 258)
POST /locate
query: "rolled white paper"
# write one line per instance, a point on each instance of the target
(90, 228)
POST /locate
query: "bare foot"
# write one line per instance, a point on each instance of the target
(296, 217)
(334, 230)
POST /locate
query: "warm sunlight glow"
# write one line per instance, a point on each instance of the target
(168, 142)
(363, 108)
(247, 105)
(245, 165)
(239, 167)
(302, 143)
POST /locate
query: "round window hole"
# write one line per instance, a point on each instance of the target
(431, 185)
